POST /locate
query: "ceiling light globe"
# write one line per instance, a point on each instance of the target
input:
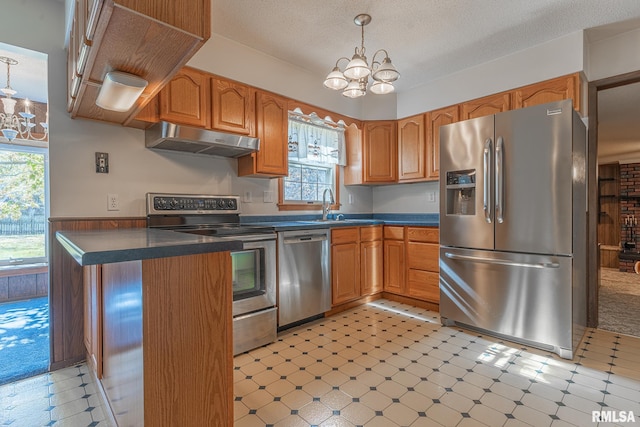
(357, 68)
(381, 88)
(354, 90)
(386, 72)
(335, 80)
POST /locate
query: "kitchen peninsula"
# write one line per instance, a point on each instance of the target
(158, 323)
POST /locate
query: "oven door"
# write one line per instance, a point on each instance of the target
(253, 275)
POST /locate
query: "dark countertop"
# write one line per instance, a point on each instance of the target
(108, 246)
(299, 222)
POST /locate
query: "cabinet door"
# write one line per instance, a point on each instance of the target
(423, 256)
(345, 272)
(566, 87)
(371, 267)
(185, 99)
(394, 266)
(424, 285)
(411, 149)
(353, 141)
(233, 107)
(272, 125)
(380, 152)
(93, 317)
(485, 106)
(435, 119)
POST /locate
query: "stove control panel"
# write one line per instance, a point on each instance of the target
(164, 204)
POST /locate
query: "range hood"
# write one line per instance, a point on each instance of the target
(186, 139)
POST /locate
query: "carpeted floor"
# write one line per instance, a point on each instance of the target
(619, 302)
(24, 339)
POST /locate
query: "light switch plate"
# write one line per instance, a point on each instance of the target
(102, 162)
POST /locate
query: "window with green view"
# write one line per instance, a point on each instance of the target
(22, 207)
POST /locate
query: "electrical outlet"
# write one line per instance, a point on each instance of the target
(268, 197)
(431, 196)
(351, 199)
(247, 197)
(102, 162)
(113, 202)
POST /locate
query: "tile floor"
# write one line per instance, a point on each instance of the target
(67, 397)
(384, 364)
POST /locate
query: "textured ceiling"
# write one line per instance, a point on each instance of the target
(426, 39)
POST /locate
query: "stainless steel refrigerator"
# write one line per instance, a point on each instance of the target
(513, 225)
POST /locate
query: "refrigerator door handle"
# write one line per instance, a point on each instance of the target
(501, 261)
(486, 188)
(499, 181)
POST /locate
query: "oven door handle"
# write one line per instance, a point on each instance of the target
(250, 237)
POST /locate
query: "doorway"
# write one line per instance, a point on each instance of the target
(24, 209)
(613, 110)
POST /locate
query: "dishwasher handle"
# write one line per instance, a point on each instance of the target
(304, 238)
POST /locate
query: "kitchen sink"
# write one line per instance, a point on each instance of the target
(336, 221)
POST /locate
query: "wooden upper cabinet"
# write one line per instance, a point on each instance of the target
(435, 119)
(150, 39)
(411, 149)
(380, 152)
(485, 106)
(185, 99)
(353, 170)
(272, 126)
(558, 89)
(233, 106)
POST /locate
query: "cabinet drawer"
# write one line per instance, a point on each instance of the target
(423, 234)
(369, 234)
(423, 256)
(392, 232)
(344, 235)
(424, 285)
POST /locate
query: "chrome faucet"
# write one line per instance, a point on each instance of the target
(326, 207)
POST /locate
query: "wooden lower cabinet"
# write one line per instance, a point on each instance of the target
(93, 317)
(394, 257)
(411, 257)
(356, 263)
(155, 321)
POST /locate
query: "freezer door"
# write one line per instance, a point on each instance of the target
(466, 182)
(533, 179)
(527, 297)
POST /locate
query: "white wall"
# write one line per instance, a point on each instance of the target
(545, 61)
(406, 198)
(613, 56)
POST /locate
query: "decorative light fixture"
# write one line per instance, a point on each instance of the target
(120, 91)
(12, 125)
(354, 79)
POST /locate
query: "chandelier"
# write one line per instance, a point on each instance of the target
(12, 125)
(353, 81)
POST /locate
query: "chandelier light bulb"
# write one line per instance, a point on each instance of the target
(386, 72)
(357, 68)
(381, 88)
(335, 80)
(354, 90)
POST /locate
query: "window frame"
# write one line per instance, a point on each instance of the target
(28, 146)
(313, 206)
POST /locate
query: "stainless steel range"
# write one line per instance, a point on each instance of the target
(253, 267)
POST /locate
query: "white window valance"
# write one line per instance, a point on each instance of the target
(312, 139)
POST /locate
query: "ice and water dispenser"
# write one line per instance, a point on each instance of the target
(461, 192)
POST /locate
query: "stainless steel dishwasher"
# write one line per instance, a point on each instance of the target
(304, 281)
